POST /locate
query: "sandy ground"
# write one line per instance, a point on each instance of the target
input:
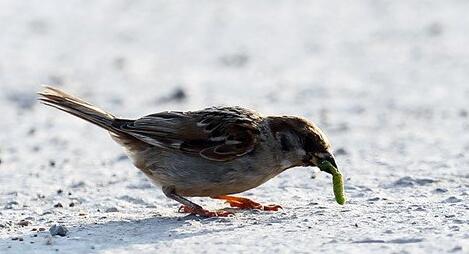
(386, 80)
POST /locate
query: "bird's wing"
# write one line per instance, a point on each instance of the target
(219, 134)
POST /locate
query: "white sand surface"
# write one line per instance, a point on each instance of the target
(388, 81)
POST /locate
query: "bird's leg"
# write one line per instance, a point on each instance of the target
(191, 207)
(245, 203)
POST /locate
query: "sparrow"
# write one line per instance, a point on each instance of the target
(214, 152)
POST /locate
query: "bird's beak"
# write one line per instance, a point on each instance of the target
(330, 158)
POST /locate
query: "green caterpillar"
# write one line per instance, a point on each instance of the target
(337, 181)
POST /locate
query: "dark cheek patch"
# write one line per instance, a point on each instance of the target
(286, 146)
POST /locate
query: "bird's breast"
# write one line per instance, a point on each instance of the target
(195, 176)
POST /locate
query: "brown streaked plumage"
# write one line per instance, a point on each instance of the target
(212, 152)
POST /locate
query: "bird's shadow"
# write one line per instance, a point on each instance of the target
(149, 230)
(96, 238)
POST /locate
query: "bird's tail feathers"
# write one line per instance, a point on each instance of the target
(59, 99)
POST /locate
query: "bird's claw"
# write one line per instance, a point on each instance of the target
(204, 213)
(245, 203)
(272, 207)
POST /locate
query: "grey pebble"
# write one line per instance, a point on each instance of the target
(78, 185)
(178, 95)
(452, 199)
(341, 151)
(58, 230)
(122, 157)
(111, 210)
(440, 190)
(23, 223)
(17, 238)
(11, 205)
(463, 113)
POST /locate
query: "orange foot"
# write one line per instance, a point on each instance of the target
(245, 203)
(204, 213)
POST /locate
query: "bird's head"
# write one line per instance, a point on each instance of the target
(302, 141)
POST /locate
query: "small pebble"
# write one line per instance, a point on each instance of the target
(341, 151)
(435, 29)
(58, 205)
(177, 95)
(78, 185)
(31, 131)
(112, 210)
(236, 60)
(119, 63)
(440, 190)
(23, 223)
(11, 205)
(58, 230)
(452, 199)
(121, 157)
(463, 113)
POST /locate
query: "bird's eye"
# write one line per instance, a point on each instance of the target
(322, 155)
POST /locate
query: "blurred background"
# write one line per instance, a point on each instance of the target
(382, 67)
(386, 80)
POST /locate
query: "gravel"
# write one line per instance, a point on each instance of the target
(386, 80)
(59, 230)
